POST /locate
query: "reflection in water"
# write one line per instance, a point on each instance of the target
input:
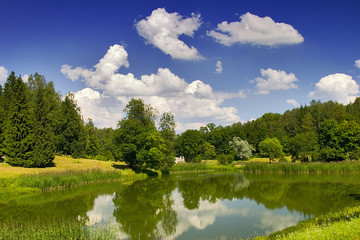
(192, 206)
(102, 211)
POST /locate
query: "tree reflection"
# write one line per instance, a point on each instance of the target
(144, 209)
(211, 188)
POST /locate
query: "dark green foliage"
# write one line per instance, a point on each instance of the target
(44, 149)
(137, 142)
(19, 136)
(303, 146)
(69, 129)
(92, 142)
(189, 145)
(224, 159)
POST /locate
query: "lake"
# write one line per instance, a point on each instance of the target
(192, 206)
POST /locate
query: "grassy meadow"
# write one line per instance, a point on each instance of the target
(66, 172)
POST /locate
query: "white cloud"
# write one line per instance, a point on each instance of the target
(293, 102)
(104, 111)
(255, 30)
(162, 29)
(357, 63)
(336, 87)
(189, 102)
(115, 58)
(274, 80)
(3, 75)
(219, 67)
(25, 77)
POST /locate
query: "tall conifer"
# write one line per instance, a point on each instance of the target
(19, 136)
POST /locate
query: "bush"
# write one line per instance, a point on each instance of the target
(283, 159)
(224, 159)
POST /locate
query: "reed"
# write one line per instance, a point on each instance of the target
(345, 167)
(201, 167)
(56, 230)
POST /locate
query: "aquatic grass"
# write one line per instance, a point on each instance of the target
(345, 167)
(56, 230)
(343, 224)
(201, 167)
(71, 178)
(35, 183)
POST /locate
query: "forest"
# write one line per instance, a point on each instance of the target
(37, 123)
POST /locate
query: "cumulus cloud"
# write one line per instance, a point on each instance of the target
(162, 29)
(189, 102)
(3, 75)
(357, 63)
(115, 58)
(219, 67)
(255, 30)
(274, 80)
(336, 87)
(293, 102)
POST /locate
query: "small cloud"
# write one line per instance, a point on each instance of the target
(336, 87)
(25, 77)
(3, 75)
(357, 63)
(219, 67)
(162, 29)
(274, 80)
(255, 30)
(293, 102)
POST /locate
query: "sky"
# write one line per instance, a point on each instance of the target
(204, 61)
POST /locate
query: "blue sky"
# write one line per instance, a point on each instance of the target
(205, 61)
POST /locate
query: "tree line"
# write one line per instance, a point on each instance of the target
(36, 123)
(327, 131)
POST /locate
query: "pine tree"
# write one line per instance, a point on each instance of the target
(19, 136)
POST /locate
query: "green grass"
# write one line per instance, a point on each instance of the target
(344, 224)
(317, 167)
(201, 167)
(34, 183)
(57, 230)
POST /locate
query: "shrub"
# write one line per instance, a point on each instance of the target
(224, 159)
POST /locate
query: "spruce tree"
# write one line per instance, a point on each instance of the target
(19, 136)
(70, 132)
(44, 149)
(2, 115)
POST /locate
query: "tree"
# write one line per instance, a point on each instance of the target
(209, 151)
(130, 137)
(70, 132)
(271, 148)
(138, 142)
(43, 96)
(303, 146)
(167, 130)
(189, 145)
(19, 137)
(329, 141)
(242, 148)
(92, 145)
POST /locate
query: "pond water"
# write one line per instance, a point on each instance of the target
(195, 206)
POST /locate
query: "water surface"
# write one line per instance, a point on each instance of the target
(193, 206)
